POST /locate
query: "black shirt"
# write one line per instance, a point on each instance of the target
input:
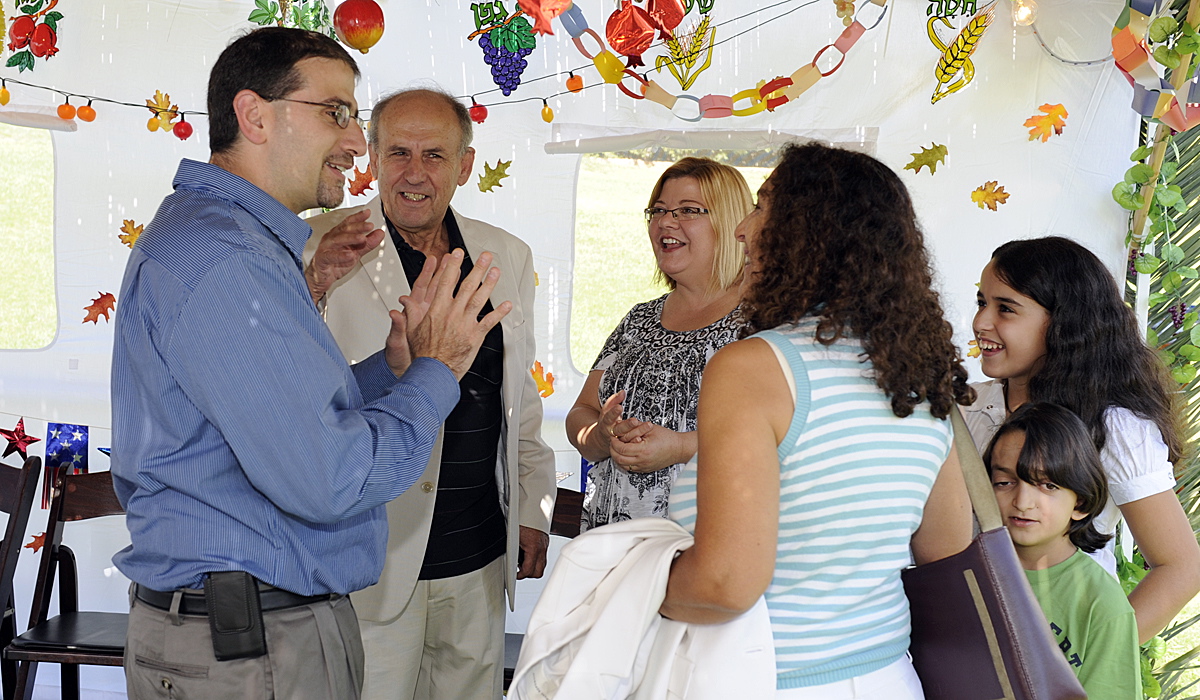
(468, 530)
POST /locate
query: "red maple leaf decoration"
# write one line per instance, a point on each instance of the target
(362, 181)
(100, 306)
(18, 441)
(38, 541)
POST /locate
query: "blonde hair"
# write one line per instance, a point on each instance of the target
(729, 201)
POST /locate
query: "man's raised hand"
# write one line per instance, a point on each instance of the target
(339, 250)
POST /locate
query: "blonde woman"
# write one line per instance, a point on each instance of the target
(635, 418)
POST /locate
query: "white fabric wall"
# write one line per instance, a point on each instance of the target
(114, 169)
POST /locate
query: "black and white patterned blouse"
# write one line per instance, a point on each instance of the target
(659, 370)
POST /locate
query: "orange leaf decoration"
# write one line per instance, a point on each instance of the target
(544, 380)
(1042, 124)
(362, 181)
(38, 541)
(989, 195)
(974, 350)
(132, 231)
(100, 306)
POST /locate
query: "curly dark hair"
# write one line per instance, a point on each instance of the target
(841, 242)
(1058, 449)
(1096, 357)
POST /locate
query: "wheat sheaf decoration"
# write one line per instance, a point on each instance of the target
(955, 60)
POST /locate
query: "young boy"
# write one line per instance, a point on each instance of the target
(1048, 481)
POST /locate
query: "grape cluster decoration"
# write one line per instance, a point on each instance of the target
(506, 41)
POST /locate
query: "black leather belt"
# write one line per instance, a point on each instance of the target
(192, 602)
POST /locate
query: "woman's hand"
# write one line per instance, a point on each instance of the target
(590, 424)
(641, 447)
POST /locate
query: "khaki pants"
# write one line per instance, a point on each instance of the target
(447, 644)
(314, 652)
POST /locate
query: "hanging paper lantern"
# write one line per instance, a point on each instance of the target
(630, 32)
(182, 129)
(358, 23)
(87, 113)
(547, 113)
(542, 11)
(477, 111)
(667, 14)
(574, 84)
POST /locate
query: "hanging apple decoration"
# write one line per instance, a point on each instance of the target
(478, 112)
(358, 23)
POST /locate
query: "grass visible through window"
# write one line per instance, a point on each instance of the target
(28, 313)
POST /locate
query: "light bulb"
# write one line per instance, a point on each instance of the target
(1024, 12)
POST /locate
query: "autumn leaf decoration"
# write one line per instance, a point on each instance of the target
(100, 306)
(38, 541)
(362, 181)
(544, 380)
(164, 112)
(491, 176)
(1052, 119)
(974, 350)
(989, 195)
(936, 153)
(130, 232)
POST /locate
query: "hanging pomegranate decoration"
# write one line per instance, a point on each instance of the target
(630, 32)
(667, 14)
(477, 111)
(33, 34)
(542, 11)
(182, 129)
(358, 23)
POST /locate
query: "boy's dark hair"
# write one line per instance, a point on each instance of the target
(263, 61)
(1059, 449)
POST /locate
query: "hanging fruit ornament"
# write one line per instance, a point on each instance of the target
(547, 113)
(358, 23)
(574, 83)
(153, 124)
(182, 129)
(667, 14)
(477, 111)
(630, 32)
(542, 11)
(87, 113)
(5, 96)
(66, 110)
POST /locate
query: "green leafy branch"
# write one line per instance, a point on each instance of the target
(312, 15)
(1173, 275)
(1169, 40)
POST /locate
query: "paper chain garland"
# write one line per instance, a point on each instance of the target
(768, 95)
(1153, 97)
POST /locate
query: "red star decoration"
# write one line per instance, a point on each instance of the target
(18, 441)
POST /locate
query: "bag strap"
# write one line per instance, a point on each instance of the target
(979, 486)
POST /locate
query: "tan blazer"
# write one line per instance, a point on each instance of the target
(356, 309)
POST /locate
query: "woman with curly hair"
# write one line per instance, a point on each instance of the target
(1052, 326)
(825, 451)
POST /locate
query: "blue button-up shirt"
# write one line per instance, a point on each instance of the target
(241, 438)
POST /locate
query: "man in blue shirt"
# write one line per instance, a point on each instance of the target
(242, 441)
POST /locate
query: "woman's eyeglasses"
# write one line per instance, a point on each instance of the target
(681, 213)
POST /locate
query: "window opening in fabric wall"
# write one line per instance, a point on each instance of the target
(28, 312)
(614, 265)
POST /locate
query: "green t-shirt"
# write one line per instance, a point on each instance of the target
(1094, 625)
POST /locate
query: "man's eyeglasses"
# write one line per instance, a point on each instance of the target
(341, 113)
(682, 213)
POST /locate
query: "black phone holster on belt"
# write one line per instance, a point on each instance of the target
(234, 615)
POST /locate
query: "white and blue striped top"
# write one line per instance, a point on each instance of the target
(854, 479)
